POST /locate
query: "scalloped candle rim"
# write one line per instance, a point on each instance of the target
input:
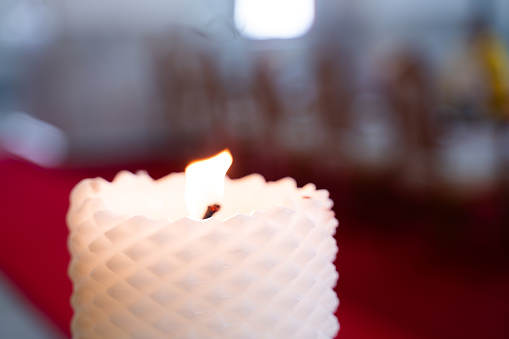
(130, 195)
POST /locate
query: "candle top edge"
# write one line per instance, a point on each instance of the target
(130, 195)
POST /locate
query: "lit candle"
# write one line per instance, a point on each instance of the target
(145, 265)
(205, 183)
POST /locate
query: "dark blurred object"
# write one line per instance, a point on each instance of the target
(410, 96)
(477, 78)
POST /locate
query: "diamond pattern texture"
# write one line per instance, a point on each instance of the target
(264, 275)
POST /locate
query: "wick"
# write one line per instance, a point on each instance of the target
(211, 210)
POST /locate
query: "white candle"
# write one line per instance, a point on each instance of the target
(142, 267)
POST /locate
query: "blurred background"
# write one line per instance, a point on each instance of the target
(399, 108)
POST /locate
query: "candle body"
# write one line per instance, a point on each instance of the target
(138, 274)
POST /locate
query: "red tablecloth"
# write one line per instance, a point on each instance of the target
(390, 286)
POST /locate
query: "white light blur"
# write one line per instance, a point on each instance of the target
(32, 139)
(274, 19)
(27, 22)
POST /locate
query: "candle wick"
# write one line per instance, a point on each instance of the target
(211, 210)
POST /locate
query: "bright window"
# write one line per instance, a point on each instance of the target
(274, 19)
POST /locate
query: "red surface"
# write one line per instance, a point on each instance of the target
(392, 285)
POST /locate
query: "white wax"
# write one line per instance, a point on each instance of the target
(262, 267)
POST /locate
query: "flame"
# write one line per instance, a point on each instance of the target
(205, 183)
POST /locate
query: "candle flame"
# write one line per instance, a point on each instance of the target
(205, 183)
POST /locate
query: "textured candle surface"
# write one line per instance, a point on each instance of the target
(262, 267)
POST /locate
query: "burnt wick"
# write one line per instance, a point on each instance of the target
(211, 210)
